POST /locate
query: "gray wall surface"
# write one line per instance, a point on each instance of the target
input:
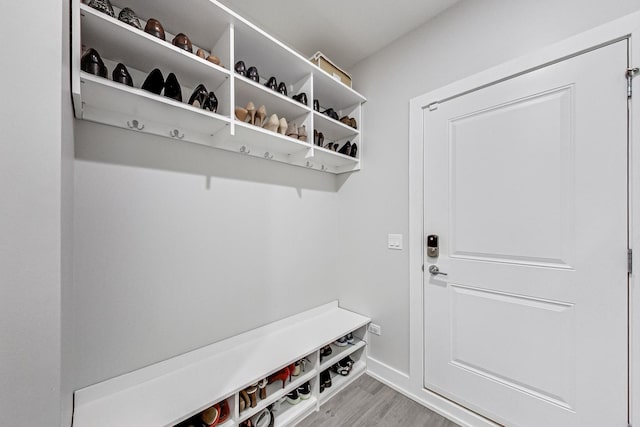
(177, 246)
(30, 213)
(470, 37)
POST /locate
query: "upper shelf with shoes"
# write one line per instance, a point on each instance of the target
(191, 73)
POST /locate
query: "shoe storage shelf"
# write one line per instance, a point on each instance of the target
(217, 30)
(224, 375)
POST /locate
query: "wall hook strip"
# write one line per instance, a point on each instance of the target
(176, 134)
(134, 124)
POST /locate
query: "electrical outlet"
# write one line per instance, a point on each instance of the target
(394, 241)
(375, 329)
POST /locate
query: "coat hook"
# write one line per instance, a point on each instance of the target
(309, 164)
(268, 156)
(134, 124)
(176, 134)
(323, 168)
(244, 150)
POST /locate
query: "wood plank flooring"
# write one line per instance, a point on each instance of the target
(368, 402)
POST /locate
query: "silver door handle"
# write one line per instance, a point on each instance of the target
(434, 270)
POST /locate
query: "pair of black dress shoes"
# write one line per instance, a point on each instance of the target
(155, 83)
(200, 98)
(251, 73)
(272, 84)
(93, 64)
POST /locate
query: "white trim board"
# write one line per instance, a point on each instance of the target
(628, 28)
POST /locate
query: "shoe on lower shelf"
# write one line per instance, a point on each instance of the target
(350, 337)
(338, 368)
(293, 397)
(341, 342)
(325, 380)
(305, 391)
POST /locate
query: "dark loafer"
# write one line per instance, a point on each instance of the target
(252, 73)
(183, 42)
(282, 88)
(272, 83)
(199, 96)
(172, 88)
(301, 98)
(121, 75)
(346, 150)
(241, 68)
(154, 27)
(354, 150)
(331, 113)
(316, 105)
(129, 17)
(154, 82)
(211, 103)
(103, 6)
(92, 63)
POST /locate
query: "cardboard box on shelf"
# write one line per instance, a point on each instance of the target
(321, 60)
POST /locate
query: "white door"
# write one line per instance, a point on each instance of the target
(526, 187)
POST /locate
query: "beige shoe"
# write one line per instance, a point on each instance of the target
(251, 109)
(242, 114)
(292, 130)
(302, 133)
(272, 124)
(282, 129)
(261, 115)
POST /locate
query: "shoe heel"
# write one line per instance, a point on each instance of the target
(251, 109)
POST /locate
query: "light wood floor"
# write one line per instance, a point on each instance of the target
(368, 402)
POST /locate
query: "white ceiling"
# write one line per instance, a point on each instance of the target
(346, 31)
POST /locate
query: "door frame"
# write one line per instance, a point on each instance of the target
(628, 28)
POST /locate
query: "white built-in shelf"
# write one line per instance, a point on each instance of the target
(215, 28)
(333, 93)
(333, 130)
(228, 423)
(290, 414)
(105, 101)
(276, 392)
(339, 382)
(263, 143)
(136, 49)
(250, 91)
(333, 158)
(339, 353)
(176, 389)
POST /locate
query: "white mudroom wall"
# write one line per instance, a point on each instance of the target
(468, 38)
(178, 246)
(34, 184)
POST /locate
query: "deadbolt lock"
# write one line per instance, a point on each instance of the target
(432, 246)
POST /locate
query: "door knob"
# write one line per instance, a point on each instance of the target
(434, 270)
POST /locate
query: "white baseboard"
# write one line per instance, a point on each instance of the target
(402, 383)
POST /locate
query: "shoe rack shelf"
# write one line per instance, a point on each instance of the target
(275, 392)
(216, 29)
(339, 353)
(112, 103)
(169, 392)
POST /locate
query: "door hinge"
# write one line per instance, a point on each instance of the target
(630, 260)
(631, 73)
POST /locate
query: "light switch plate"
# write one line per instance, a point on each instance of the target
(395, 242)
